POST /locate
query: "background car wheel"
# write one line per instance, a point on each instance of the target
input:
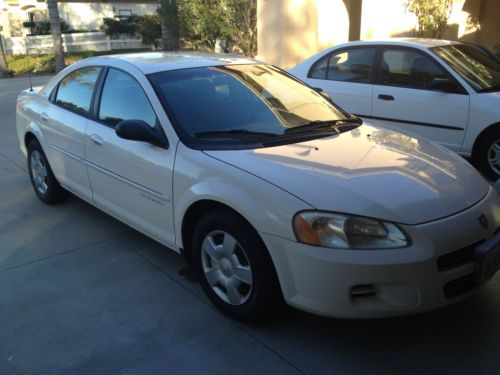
(488, 155)
(235, 268)
(44, 183)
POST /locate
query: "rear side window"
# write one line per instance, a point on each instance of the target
(352, 65)
(123, 99)
(75, 90)
(406, 68)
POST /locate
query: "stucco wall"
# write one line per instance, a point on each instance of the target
(489, 19)
(291, 30)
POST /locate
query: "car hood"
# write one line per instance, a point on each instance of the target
(368, 171)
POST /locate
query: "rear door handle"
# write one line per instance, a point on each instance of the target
(96, 140)
(44, 117)
(385, 97)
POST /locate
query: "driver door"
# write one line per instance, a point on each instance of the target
(131, 180)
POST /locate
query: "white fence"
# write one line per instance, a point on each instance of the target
(96, 41)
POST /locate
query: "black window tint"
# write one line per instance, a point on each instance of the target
(319, 70)
(353, 65)
(75, 90)
(406, 68)
(123, 99)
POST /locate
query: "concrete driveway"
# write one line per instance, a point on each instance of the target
(82, 293)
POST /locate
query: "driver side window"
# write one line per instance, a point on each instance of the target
(123, 99)
(406, 68)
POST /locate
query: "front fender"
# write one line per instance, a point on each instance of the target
(266, 207)
(27, 111)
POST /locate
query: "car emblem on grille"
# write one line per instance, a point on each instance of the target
(483, 220)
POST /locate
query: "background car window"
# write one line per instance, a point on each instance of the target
(75, 90)
(123, 99)
(480, 70)
(351, 66)
(321, 68)
(407, 68)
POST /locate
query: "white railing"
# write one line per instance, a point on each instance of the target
(92, 41)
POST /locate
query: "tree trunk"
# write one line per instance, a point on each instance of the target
(164, 34)
(55, 28)
(169, 15)
(3, 61)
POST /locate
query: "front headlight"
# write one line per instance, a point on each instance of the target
(341, 231)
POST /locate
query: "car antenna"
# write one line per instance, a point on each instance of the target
(31, 83)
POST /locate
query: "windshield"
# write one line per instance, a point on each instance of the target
(239, 99)
(473, 65)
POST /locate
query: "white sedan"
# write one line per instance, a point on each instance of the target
(446, 91)
(272, 192)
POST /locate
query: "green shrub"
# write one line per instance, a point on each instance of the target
(116, 27)
(23, 64)
(43, 27)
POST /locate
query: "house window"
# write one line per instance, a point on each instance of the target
(124, 13)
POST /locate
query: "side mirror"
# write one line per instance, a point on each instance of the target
(138, 130)
(444, 85)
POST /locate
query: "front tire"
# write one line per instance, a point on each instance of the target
(488, 155)
(42, 179)
(234, 267)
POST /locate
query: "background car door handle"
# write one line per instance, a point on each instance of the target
(385, 97)
(96, 140)
(44, 117)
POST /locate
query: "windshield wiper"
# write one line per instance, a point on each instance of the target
(490, 89)
(235, 133)
(330, 125)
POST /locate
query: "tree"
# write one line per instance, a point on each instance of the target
(432, 16)
(55, 27)
(169, 14)
(207, 21)
(241, 19)
(4, 68)
(149, 27)
(203, 22)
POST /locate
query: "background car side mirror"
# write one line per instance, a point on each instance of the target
(138, 130)
(444, 85)
(320, 91)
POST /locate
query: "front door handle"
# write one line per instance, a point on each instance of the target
(44, 117)
(385, 97)
(96, 140)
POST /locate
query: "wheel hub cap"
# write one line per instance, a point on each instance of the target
(39, 172)
(226, 267)
(494, 157)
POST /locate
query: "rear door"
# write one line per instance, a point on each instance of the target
(64, 121)
(345, 75)
(404, 99)
(131, 180)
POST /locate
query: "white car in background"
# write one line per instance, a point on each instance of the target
(448, 92)
(268, 188)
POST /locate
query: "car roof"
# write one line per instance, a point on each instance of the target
(152, 62)
(409, 42)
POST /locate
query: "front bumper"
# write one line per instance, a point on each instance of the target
(436, 270)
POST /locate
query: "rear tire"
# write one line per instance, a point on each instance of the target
(488, 154)
(42, 179)
(235, 268)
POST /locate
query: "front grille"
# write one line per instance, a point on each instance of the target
(459, 286)
(457, 258)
